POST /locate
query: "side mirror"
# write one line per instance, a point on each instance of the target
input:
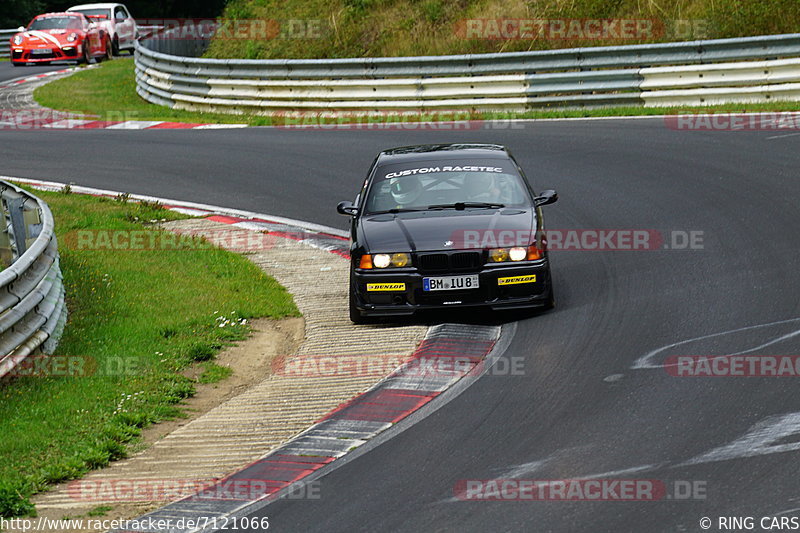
(347, 208)
(21, 28)
(546, 197)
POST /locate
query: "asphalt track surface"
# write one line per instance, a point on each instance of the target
(579, 408)
(9, 72)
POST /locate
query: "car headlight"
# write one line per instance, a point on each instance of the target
(396, 260)
(18, 39)
(72, 36)
(518, 253)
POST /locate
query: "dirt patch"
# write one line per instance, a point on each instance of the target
(251, 361)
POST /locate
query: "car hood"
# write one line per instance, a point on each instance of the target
(51, 37)
(427, 231)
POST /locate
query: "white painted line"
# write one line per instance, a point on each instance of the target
(646, 361)
(219, 126)
(524, 469)
(135, 124)
(782, 136)
(191, 212)
(252, 226)
(763, 438)
(68, 123)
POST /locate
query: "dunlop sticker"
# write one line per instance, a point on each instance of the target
(386, 287)
(517, 279)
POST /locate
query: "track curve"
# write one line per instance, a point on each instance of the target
(9, 72)
(580, 408)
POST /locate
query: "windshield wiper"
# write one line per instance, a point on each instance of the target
(460, 206)
(396, 210)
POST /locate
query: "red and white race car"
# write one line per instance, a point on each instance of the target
(116, 20)
(60, 37)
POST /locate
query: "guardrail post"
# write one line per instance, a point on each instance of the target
(15, 223)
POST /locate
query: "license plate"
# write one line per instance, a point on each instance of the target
(41, 51)
(450, 283)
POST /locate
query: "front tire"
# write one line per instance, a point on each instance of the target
(355, 315)
(85, 57)
(109, 51)
(115, 46)
(550, 303)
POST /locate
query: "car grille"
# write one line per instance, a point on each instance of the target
(433, 262)
(465, 260)
(48, 55)
(445, 262)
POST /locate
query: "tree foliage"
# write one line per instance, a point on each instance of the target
(19, 12)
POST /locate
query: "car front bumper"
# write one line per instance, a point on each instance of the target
(395, 300)
(25, 55)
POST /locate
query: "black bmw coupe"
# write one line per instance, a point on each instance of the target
(447, 225)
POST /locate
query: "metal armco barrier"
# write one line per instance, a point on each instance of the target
(743, 82)
(652, 75)
(5, 42)
(32, 307)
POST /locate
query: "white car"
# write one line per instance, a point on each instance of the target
(116, 20)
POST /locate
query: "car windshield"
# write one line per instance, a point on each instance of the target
(445, 184)
(56, 23)
(87, 12)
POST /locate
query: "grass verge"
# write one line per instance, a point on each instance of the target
(110, 91)
(137, 320)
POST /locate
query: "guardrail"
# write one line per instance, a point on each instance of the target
(5, 42)
(145, 31)
(577, 77)
(32, 307)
